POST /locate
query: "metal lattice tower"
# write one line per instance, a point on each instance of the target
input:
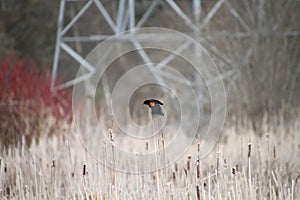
(127, 19)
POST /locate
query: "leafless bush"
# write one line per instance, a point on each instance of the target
(20, 122)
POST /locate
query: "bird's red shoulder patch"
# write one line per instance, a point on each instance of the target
(151, 103)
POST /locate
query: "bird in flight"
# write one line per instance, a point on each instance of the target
(155, 106)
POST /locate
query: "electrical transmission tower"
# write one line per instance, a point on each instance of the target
(125, 17)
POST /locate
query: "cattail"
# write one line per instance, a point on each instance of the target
(218, 160)
(84, 170)
(297, 178)
(53, 164)
(249, 150)
(198, 192)
(185, 171)
(274, 152)
(174, 177)
(163, 143)
(147, 146)
(8, 191)
(111, 135)
(188, 164)
(198, 168)
(233, 171)
(225, 163)
(154, 177)
(249, 163)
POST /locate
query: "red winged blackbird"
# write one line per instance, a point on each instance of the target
(155, 106)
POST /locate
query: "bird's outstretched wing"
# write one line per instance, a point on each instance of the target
(148, 102)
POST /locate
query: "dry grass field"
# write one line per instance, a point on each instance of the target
(255, 45)
(242, 165)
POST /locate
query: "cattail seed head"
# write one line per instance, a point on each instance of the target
(84, 170)
(249, 150)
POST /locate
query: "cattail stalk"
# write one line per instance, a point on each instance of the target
(249, 168)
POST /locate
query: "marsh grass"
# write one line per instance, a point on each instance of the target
(242, 166)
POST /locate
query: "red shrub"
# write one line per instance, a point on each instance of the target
(26, 100)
